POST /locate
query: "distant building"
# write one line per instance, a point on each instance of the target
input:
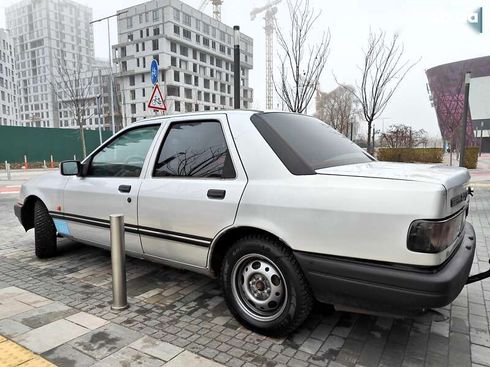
(446, 88)
(46, 33)
(8, 87)
(195, 54)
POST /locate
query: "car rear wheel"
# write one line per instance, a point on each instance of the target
(44, 232)
(264, 286)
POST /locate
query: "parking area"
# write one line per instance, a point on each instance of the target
(186, 311)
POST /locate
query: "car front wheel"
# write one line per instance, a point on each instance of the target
(44, 232)
(264, 286)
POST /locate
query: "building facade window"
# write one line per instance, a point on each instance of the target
(186, 19)
(177, 15)
(154, 45)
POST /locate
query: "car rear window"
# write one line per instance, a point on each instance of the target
(301, 139)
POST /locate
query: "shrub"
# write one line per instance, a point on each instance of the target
(420, 155)
(471, 157)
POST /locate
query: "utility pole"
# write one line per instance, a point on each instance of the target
(467, 80)
(236, 68)
(111, 79)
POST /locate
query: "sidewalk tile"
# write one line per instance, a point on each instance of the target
(87, 320)
(50, 336)
(12, 354)
(11, 307)
(33, 300)
(129, 357)
(11, 328)
(44, 315)
(187, 359)
(66, 355)
(11, 292)
(37, 362)
(106, 340)
(155, 348)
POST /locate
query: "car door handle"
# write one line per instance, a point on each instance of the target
(124, 188)
(216, 194)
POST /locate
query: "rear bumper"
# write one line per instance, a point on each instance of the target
(370, 285)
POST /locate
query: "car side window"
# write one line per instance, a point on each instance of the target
(124, 157)
(194, 149)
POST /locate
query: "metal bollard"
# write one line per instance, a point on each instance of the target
(118, 259)
(7, 169)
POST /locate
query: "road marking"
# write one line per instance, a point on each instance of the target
(9, 192)
(12, 186)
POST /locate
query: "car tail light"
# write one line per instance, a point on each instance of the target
(432, 236)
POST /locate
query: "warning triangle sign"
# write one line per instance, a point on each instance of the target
(156, 100)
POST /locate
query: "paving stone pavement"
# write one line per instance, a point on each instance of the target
(174, 311)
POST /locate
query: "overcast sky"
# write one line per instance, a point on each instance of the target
(433, 30)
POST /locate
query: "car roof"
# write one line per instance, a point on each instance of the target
(153, 120)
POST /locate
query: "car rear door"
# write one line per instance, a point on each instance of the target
(191, 190)
(109, 185)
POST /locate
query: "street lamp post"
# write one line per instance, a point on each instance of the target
(481, 136)
(111, 81)
(236, 67)
(467, 80)
(98, 113)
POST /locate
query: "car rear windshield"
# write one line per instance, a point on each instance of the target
(314, 142)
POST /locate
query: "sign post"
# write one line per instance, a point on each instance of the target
(157, 101)
(154, 71)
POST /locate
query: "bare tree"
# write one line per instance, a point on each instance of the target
(403, 136)
(382, 71)
(337, 108)
(301, 64)
(72, 87)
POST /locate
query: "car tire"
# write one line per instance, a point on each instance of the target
(264, 286)
(44, 232)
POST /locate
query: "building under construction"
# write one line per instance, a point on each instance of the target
(194, 52)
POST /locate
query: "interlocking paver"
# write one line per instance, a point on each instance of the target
(87, 320)
(50, 336)
(66, 355)
(156, 348)
(106, 340)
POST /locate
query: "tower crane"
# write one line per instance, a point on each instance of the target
(216, 7)
(270, 10)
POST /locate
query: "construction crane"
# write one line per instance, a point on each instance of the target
(216, 7)
(270, 10)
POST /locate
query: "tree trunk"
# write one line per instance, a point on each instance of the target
(82, 138)
(369, 138)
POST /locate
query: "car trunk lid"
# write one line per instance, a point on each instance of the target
(454, 179)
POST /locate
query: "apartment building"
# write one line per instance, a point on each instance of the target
(194, 52)
(8, 87)
(46, 35)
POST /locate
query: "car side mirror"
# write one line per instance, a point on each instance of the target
(70, 168)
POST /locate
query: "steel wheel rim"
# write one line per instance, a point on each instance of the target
(259, 287)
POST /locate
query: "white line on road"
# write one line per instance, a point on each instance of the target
(9, 192)
(12, 186)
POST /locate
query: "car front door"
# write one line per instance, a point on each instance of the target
(192, 190)
(109, 185)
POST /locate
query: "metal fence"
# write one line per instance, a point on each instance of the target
(39, 144)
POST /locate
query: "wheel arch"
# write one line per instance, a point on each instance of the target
(224, 240)
(27, 212)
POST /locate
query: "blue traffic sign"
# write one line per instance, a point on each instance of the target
(154, 71)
